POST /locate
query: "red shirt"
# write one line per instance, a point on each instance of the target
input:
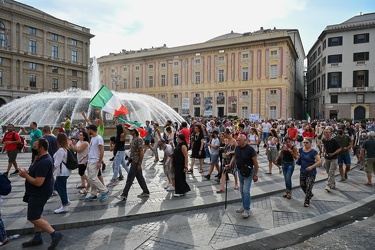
(308, 134)
(186, 133)
(9, 137)
(292, 132)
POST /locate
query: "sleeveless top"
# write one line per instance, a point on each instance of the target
(84, 152)
(270, 143)
(120, 145)
(287, 156)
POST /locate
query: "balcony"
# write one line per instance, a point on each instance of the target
(351, 90)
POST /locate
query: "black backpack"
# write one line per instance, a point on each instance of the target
(5, 185)
(72, 161)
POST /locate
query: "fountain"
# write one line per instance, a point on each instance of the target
(49, 108)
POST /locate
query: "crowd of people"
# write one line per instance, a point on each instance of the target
(227, 145)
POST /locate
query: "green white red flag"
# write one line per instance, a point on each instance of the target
(142, 132)
(105, 100)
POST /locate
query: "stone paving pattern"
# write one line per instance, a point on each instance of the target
(195, 221)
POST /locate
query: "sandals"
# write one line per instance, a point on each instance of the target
(236, 187)
(280, 170)
(190, 171)
(80, 187)
(368, 184)
(220, 191)
(201, 170)
(83, 191)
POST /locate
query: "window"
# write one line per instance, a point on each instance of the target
(32, 66)
(324, 61)
(334, 99)
(55, 51)
(360, 56)
(175, 63)
(162, 96)
(273, 52)
(273, 44)
(335, 41)
(360, 98)
(318, 85)
(32, 47)
(335, 58)
(323, 81)
(334, 80)
(273, 71)
(314, 87)
(1, 77)
(3, 38)
(175, 81)
(319, 50)
(221, 58)
(74, 72)
(1, 61)
(137, 82)
(125, 69)
(324, 44)
(54, 69)
(244, 112)
(245, 93)
(74, 84)
(55, 83)
(32, 81)
(197, 95)
(273, 112)
(245, 56)
(74, 56)
(151, 66)
(74, 42)
(197, 77)
(125, 83)
(163, 65)
(162, 80)
(221, 93)
(175, 96)
(245, 74)
(136, 67)
(197, 61)
(360, 78)
(221, 75)
(55, 37)
(273, 92)
(361, 38)
(221, 51)
(32, 31)
(151, 81)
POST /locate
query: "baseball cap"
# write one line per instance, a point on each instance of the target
(92, 127)
(132, 127)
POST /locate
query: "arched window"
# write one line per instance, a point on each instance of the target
(359, 113)
(2, 35)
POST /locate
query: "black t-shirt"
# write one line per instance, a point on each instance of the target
(331, 146)
(42, 167)
(244, 155)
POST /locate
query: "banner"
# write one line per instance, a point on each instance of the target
(185, 106)
(232, 105)
(254, 117)
(207, 106)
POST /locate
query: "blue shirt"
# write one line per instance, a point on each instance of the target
(149, 133)
(308, 159)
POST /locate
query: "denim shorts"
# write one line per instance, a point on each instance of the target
(214, 158)
(35, 206)
(343, 159)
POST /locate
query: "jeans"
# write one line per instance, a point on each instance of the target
(288, 169)
(135, 173)
(245, 185)
(208, 154)
(117, 162)
(60, 186)
(3, 232)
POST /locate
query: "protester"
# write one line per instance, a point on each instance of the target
(180, 166)
(82, 148)
(10, 141)
(369, 147)
(289, 154)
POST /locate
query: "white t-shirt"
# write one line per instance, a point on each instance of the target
(94, 152)
(215, 142)
(168, 150)
(266, 127)
(253, 138)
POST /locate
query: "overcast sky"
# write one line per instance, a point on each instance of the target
(136, 24)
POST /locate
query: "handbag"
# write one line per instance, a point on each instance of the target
(246, 170)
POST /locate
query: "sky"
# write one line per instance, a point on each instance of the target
(136, 24)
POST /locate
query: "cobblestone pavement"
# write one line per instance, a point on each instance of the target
(196, 221)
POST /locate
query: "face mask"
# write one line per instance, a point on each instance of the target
(35, 151)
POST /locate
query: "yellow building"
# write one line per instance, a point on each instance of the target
(39, 52)
(258, 73)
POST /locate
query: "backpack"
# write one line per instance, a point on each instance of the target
(72, 161)
(21, 144)
(5, 185)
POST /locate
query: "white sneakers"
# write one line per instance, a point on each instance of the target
(240, 210)
(245, 213)
(327, 189)
(170, 188)
(62, 209)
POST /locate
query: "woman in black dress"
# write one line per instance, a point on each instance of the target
(180, 166)
(197, 144)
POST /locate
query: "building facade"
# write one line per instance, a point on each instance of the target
(341, 70)
(39, 52)
(258, 73)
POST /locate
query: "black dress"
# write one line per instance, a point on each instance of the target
(197, 147)
(181, 186)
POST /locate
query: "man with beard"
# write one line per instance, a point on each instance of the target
(10, 141)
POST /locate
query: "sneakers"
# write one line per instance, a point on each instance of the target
(91, 198)
(15, 172)
(327, 189)
(207, 177)
(32, 243)
(112, 183)
(61, 210)
(55, 241)
(121, 177)
(246, 214)
(167, 186)
(143, 195)
(5, 174)
(104, 195)
(240, 210)
(121, 198)
(342, 180)
(170, 188)
(177, 195)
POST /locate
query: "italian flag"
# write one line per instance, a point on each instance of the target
(142, 132)
(308, 118)
(105, 100)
